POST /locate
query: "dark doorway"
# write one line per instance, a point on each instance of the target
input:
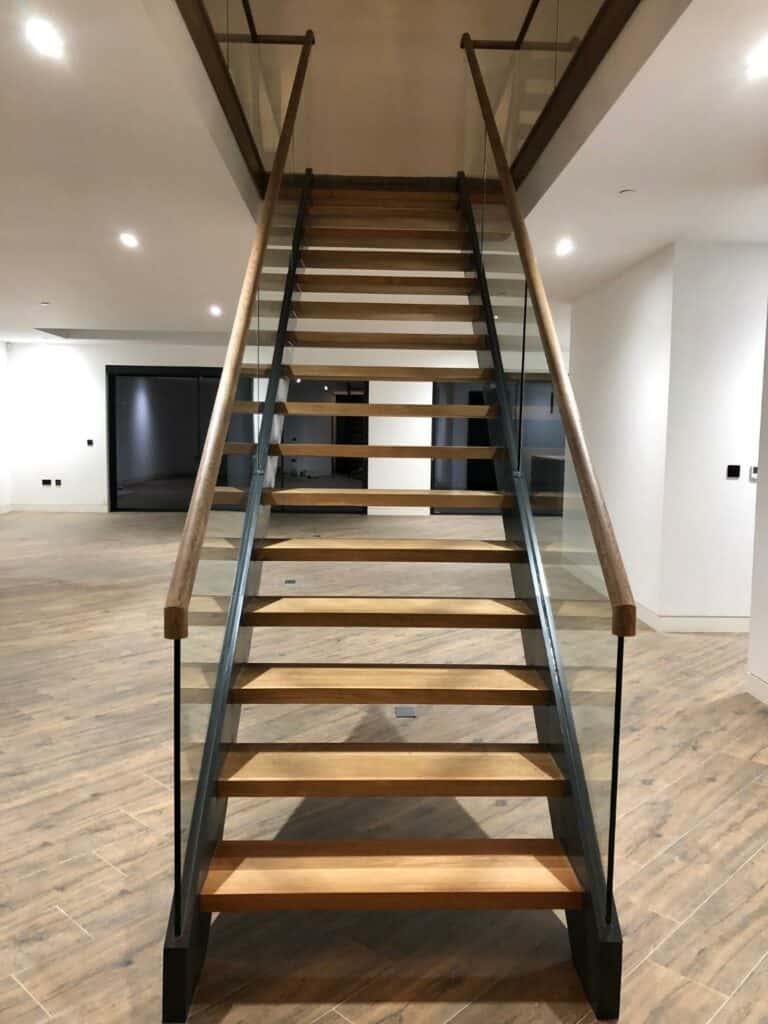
(326, 470)
(158, 420)
(542, 448)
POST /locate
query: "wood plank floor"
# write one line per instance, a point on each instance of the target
(85, 849)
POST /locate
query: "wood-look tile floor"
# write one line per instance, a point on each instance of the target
(85, 844)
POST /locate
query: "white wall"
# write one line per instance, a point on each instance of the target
(718, 348)
(57, 401)
(619, 366)
(757, 680)
(5, 469)
(666, 362)
(413, 474)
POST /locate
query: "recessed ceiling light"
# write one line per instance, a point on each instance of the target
(45, 303)
(128, 239)
(627, 191)
(214, 310)
(564, 247)
(757, 61)
(44, 37)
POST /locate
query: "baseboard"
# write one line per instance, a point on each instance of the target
(757, 687)
(693, 623)
(59, 508)
(670, 623)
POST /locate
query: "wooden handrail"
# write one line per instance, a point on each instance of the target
(624, 617)
(176, 616)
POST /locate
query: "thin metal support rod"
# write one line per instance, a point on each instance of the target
(530, 14)
(614, 778)
(177, 844)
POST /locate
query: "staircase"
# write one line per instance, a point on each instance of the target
(352, 241)
(374, 273)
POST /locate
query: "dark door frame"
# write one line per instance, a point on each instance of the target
(113, 372)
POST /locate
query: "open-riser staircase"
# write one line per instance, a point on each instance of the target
(373, 261)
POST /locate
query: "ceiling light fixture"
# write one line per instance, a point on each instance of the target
(564, 247)
(45, 303)
(214, 310)
(757, 61)
(128, 239)
(627, 191)
(298, 380)
(325, 387)
(44, 37)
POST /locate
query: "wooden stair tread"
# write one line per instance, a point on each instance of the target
(386, 218)
(387, 238)
(399, 769)
(369, 451)
(362, 409)
(388, 284)
(385, 340)
(395, 259)
(401, 549)
(399, 874)
(367, 549)
(373, 684)
(388, 311)
(416, 612)
(378, 497)
(383, 497)
(334, 194)
(394, 373)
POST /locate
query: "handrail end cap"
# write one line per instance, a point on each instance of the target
(466, 38)
(176, 622)
(624, 620)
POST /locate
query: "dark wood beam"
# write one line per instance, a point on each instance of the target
(529, 16)
(203, 36)
(249, 18)
(600, 36)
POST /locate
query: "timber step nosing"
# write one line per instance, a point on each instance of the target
(340, 549)
(371, 497)
(342, 611)
(371, 683)
(369, 451)
(372, 874)
(418, 769)
(359, 410)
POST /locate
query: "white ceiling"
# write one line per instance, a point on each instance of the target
(111, 139)
(689, 134)
(105, 141)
